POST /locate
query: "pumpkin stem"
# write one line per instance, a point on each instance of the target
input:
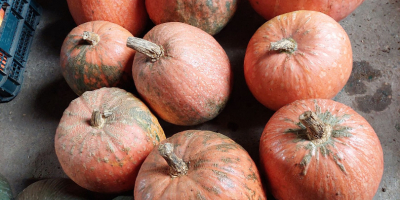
(317, 131)
(91, 37)
(177, 167)
(288, 45)
(145, 47)
(97, 119)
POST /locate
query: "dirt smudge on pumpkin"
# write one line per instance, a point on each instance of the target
(377, 102)
(362, 71)
(397, 126)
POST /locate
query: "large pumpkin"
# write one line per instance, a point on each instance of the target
(197, 164)
(298, 55)
(210, 16)
(103, 137)
(182, 73)
(54, 188)
(5, 189)
(321, 149)
(337, 9)
(130, 14)
(94, 55)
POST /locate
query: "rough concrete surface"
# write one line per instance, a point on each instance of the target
(28, 123)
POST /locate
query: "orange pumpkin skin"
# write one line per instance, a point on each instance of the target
(130, 14)
(218, 168)
(210, 16)
(348, 166)
(192, 82)
(106, 157)
(337, 9)
(318, 68)
(108, 63)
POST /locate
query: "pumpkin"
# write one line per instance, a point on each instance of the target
(182, 73)
(1, 15)
(103, 137)
(5, 189)
(54, 188)
(210, 16)
(320, 149)
(196, 164)
(298, 55)
(130, 14)
(337, 9)
(94, 55)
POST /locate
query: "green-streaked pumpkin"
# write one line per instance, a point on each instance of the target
(182, 73)
(196, 164)
(5, 189)
(208, 15)
(54, 188)
(103, 137)
(94, 55)
(321, 149)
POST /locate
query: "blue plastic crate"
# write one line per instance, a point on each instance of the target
(16, 35)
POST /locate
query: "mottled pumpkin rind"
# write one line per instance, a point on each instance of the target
(208, 15)
(192, 82)
(88, 67)
(318, 68)
(218, 167)
(348, 166)
(107, 158)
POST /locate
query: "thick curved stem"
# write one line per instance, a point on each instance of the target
(177, 167)
(145, 47)
(97, 119)
(91, 37)
(317, 131)
(287, 45)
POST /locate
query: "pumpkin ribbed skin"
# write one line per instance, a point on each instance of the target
(105, 156)
(349, 165)
(191, 83)
(108, 63)
(54, 188)
(218, 168)
(130, 14)
(337, 9)
(318, 67)
(210, 16)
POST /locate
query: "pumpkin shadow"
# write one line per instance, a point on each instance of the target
(53, 99)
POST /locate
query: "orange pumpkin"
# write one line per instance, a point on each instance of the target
(210, 16)
(182, 73)
(1, 15)
(321, 149)
(103, 137)
(337, 9)
(197, 164)
(297, 55)
(94, 55)
(130, 14)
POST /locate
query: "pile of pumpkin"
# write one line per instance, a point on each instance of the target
(109, 141)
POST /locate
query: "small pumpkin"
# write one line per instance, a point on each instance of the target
(321, 149)
(196, 164)
(182, 73)
(130, 14)
(5, 189)
(210, 16)
(297, 55)
(1, 15)
(54, 188)
(103, 137)
(337, 9)
(94, 55)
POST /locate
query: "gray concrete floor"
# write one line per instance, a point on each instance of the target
(28, 123)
